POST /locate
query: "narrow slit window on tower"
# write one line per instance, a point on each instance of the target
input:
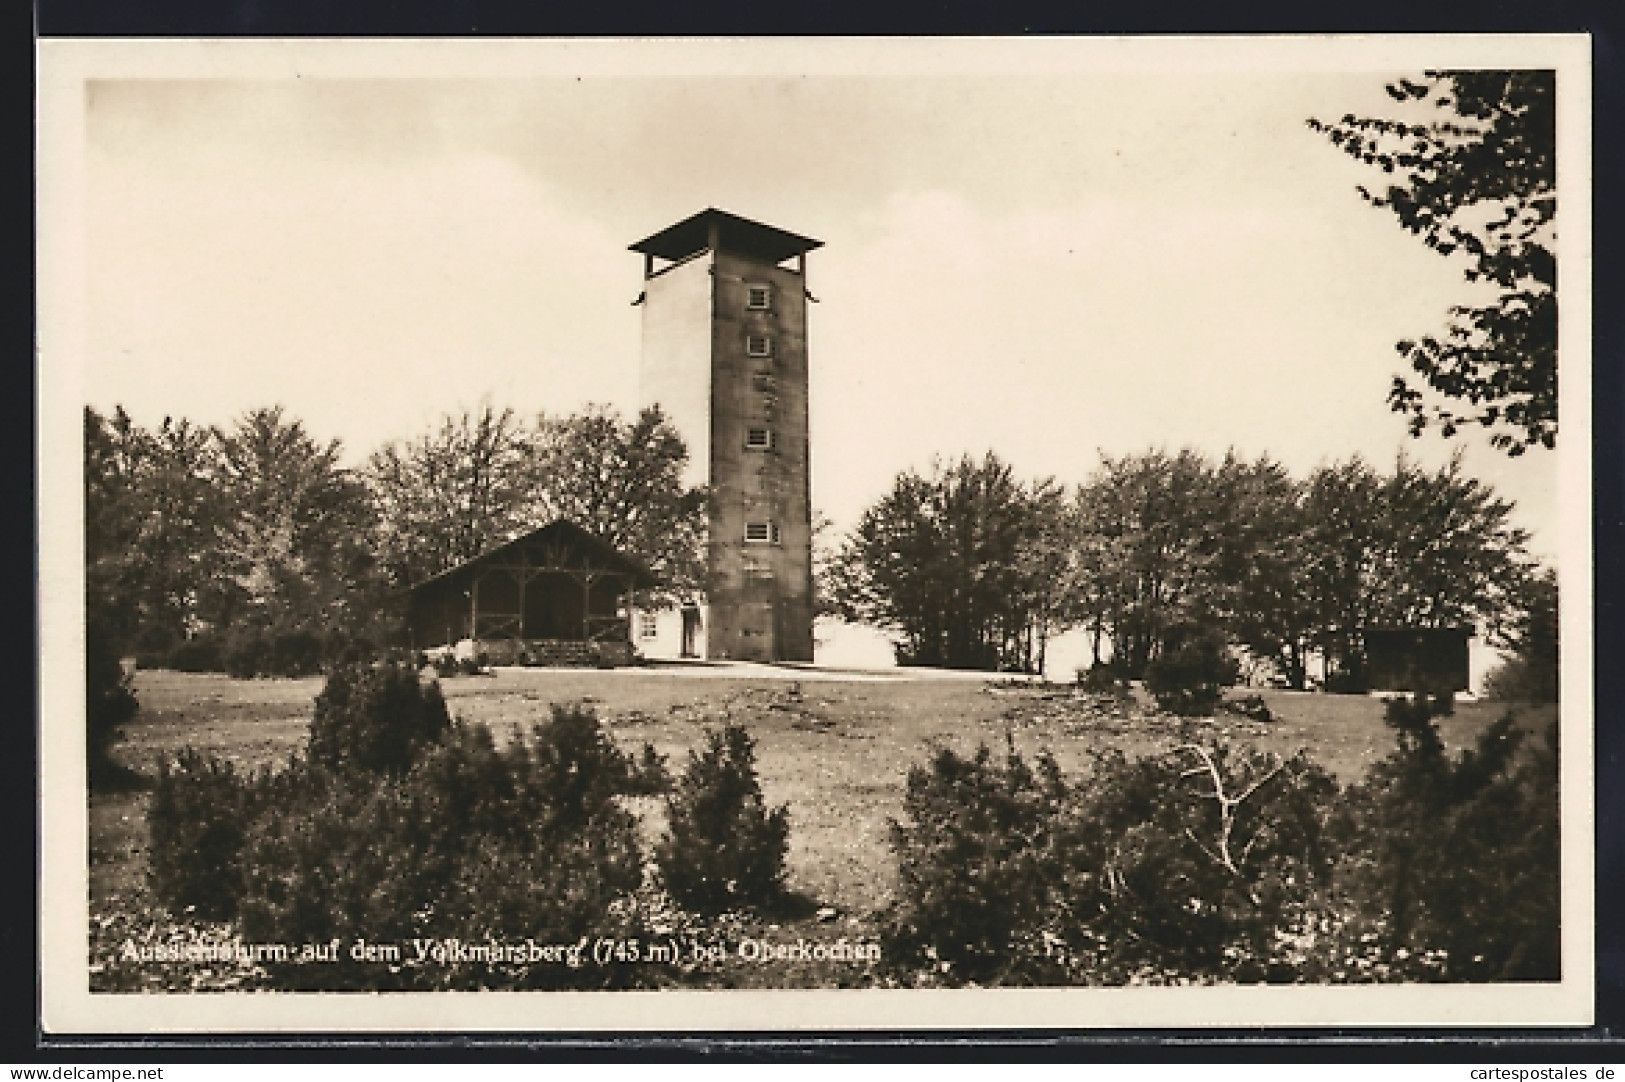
(762, 533)
(762, 381)
(758, 345)
(758, 298)
(759, 439)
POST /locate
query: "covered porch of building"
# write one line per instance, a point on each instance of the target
(557, 595)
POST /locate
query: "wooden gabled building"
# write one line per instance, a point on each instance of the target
(556, 595)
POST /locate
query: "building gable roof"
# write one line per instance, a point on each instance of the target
(597, 555)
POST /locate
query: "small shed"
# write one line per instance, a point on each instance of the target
(556, 595)
(1417, 659)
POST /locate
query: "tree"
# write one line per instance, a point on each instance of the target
(116, 451)
(1046, 568)
(298, 550)
(826, 557)
(482, 477)
(1261, 565)
(451, 493)
(963, 564)
(154, 517)
(1342, 547)
(1481, 182)
(1411, 549)
(1152, 539)
(623, 482)
(1530, 674)
(1167, 545)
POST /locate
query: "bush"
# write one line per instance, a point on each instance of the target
(1456, 859)
(1531, 672)
(341, 648)
(1522, 680)
(197, 820)
(577, 767)
(1102, 679)
(398, 824)
(296, 653)
(291, 652)
(1196, 861)
(375, 719)
(368, 721)
(723, 849)
(1252, 707)
(109, 703)
(984, 844)
(1007, 874)
(248, 654)
(649, 774)
(472, 843)
(1346, 682)
(1190, 677)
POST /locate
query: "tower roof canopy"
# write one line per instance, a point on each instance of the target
(735, 234)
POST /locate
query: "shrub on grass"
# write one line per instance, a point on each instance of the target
(255, 652)
(649, 774)
(1455, 859)
(473, 843)
(984, 845)
(375, 719)
(1522, 680)
(1197, 860)
(577, 767)
(1213, 862)
(1252, 707)
(248, 654)
(339, 647)
(399, 823)
(1102, 679)
(1007, 874)
(723, 848)
(1190, 678)
(197, 820)
(109, 703)
(296, 652)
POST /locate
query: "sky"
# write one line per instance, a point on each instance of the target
(1051, 263)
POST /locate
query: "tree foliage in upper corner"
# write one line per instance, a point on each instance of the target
(1478, 180)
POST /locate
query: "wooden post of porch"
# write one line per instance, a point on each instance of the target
(524, 581)
(586, 608)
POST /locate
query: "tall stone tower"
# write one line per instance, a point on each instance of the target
(725, 356)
